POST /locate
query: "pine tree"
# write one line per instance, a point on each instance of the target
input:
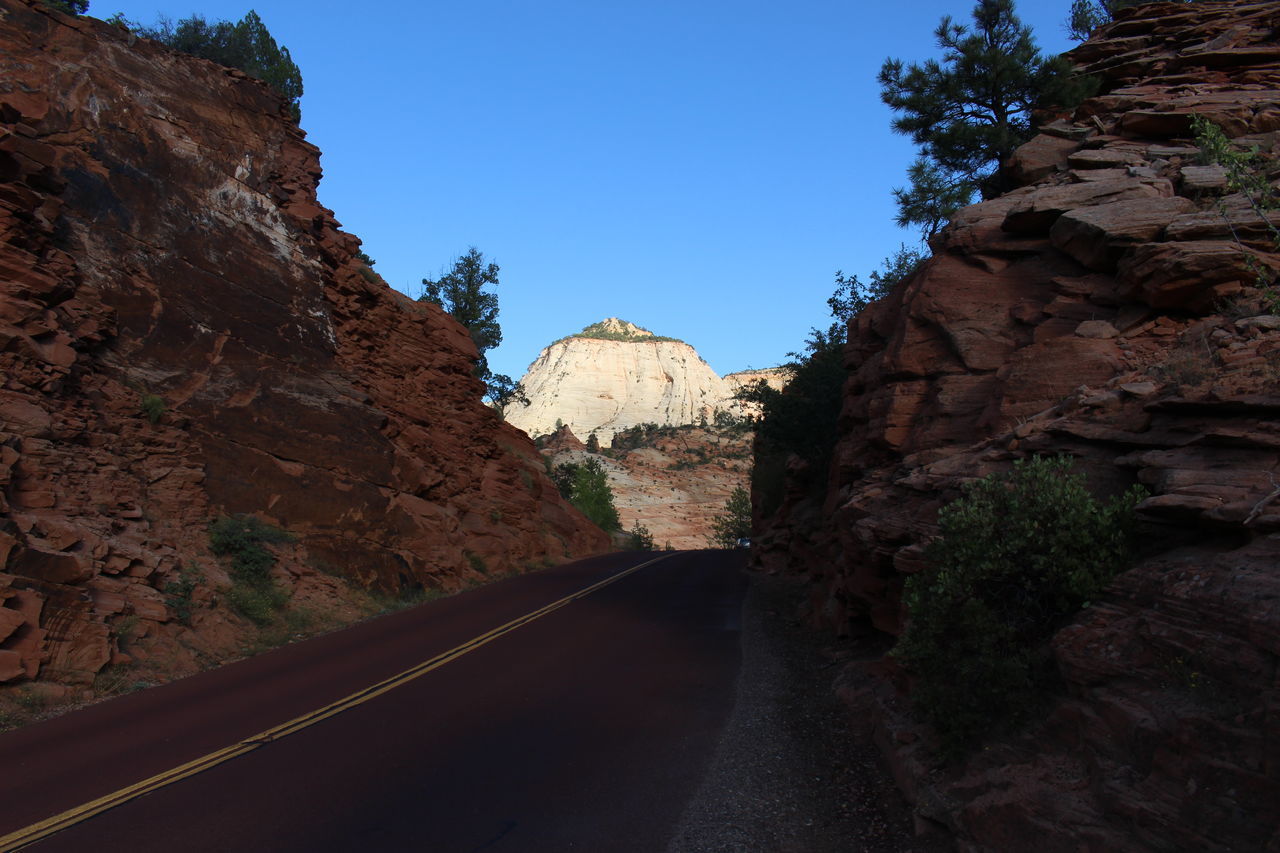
(734, 523)
(460, 292)
(586, 485)
(969, 111)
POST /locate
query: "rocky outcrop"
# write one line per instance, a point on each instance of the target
(614, 375)
(1104, 310)
(185, 332)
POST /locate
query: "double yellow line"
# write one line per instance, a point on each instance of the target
(39, 831)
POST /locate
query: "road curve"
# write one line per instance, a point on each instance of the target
(585, 728)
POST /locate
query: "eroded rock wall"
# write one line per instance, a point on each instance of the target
(1105, 310)
(161, 243)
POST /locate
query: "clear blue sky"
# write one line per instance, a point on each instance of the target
(701, 168)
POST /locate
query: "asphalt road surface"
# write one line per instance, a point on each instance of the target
(586, 728)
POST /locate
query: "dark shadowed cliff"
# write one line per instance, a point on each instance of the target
(1104, 310)
(186, 333)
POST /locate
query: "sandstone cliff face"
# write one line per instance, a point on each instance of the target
(160, 238)
(594, 384)
(1102, 310)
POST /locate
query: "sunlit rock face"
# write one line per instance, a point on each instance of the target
(1105, 309)
(614, 375)
(185, 332)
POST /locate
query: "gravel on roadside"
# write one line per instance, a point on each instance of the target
(788, 776)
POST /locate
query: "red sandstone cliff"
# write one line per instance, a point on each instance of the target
(160, 237)
(1102, 310)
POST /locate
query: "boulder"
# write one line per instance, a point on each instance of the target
(1040, 157)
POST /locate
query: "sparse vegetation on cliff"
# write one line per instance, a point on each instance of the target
(152, 407)
(1018, 554)
(241, 539)
(1249, 174)
(852, 295)
(640, 435)
(605, 331)
(178, 594)
(1087, 15)
(71, 7)
(245, 44)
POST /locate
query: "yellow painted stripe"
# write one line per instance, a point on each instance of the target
(39, 831)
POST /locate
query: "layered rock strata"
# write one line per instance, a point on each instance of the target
(615, 375)
(185, 332)
(1106, 309)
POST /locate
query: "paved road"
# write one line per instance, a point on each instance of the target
(586, 729)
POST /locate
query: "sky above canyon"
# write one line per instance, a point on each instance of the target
(699, 168)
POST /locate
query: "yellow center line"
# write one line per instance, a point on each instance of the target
(39, 831)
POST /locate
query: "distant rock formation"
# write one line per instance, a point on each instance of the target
(184, 333)
(1103, 309)
(613, 375)
(675, 481)
(774, 377)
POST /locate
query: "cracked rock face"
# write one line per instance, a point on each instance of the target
(1104, 309)
(184, 332)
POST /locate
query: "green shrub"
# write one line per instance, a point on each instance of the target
(477, 563)
(71, 7)
(1018, 554)
(241, 538)
(640, 538)
(1248, 174)
(152, 407)
(734, 523)
(586, 486)
(257, 602)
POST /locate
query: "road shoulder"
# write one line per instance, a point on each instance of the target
(788, 775)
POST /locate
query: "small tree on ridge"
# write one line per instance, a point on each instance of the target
(461, 293)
